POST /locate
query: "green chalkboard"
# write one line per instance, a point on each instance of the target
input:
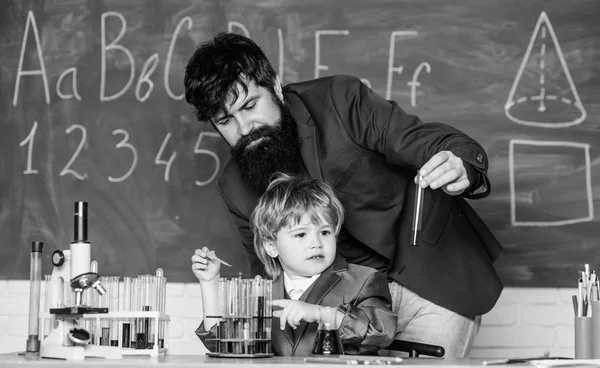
(92, 110)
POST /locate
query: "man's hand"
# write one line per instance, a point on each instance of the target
(444, 170)
(205, 265)
(295, 311)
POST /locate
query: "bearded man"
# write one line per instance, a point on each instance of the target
(371, 152)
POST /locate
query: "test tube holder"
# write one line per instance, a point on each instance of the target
(246, 346)
(123, 316)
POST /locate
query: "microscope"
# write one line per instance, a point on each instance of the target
(67, 339)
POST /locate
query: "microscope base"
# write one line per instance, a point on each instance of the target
(59, 345)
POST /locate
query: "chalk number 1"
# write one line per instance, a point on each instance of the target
(29, 141)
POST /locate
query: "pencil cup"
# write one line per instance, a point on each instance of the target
(583, 338)
(595, 329)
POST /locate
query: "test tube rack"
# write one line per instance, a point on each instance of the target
(234, 337)
(121, 317)
(245, 319)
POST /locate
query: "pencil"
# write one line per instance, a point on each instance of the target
(223, 262)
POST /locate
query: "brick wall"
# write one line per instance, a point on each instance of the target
(524, 322)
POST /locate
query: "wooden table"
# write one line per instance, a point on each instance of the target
(184, 361)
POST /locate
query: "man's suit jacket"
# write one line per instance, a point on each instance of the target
(360, 292)
(368, 150)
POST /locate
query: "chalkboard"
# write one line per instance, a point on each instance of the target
(92, 110)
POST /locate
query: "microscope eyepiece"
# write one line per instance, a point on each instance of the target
(80, 218)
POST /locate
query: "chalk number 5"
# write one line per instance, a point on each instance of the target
(202, 151)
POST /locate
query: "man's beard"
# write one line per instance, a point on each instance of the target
(279, 150)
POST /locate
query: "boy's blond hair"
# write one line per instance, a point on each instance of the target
(283, 204)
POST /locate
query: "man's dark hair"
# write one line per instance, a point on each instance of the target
(216, 67)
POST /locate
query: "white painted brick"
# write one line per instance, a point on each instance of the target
(176, 329)
(184, 307)
(187, 347)
(547, 315)
(502, 315)
(193, 289)
(515, 337)
(528, 295)
(565, 294)
(11, 345)
(190, 327)
(17, 327)
(3, 287)
(565, 337)
(14, 305)
(18, 287)
(175, 289)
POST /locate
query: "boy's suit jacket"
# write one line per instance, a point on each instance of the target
(360, 292)
(368, 150)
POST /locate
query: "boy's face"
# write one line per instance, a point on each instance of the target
(304, 249)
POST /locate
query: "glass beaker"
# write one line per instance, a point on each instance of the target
(328, 340)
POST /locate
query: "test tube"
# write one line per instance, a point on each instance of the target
(67, 294)
(143, 323)
(151, 303)
(161, 287)
(235, 313)
(136, 305)
(125, 301)
(254, 314)
(92, 300)
(260, 311)
(222, 302)
(268, 314)
(415, 238)
(223, 287)
(246, 317)
(35, 279)
(104, 301)
(113, 306)
(47, 298)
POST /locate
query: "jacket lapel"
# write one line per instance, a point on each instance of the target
(308, 150)
(321, 287)
(278, 293)
(306, 132)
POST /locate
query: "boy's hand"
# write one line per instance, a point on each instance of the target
(295, 311)
(205, 265)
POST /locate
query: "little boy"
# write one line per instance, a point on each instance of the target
(295, 226)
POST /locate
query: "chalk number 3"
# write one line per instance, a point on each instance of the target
(122, 144)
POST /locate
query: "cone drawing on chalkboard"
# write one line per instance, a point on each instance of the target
(543, 93)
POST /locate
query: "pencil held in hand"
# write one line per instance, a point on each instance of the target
(206, 265)
(223, 262)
